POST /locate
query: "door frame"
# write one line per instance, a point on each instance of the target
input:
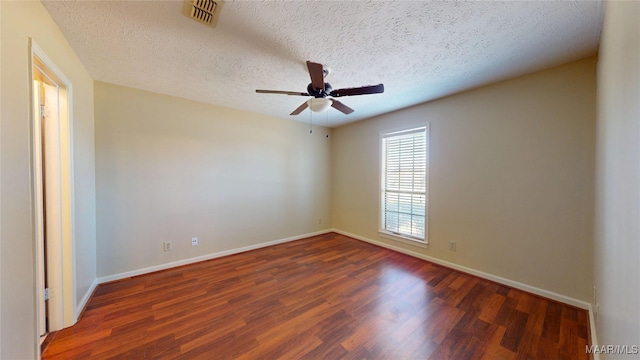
(60, 266)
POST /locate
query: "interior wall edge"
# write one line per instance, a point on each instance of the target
(85, 299)
(592, 331)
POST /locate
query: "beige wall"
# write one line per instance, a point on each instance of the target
(169, 169)
(511, 178)
(617, 240)
(19, 22)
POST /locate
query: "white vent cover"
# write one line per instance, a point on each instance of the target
(204, 11)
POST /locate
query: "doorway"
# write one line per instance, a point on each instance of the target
(52, 194)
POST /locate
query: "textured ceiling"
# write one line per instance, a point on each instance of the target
(419, 50)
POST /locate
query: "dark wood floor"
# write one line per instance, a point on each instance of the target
(325, 297)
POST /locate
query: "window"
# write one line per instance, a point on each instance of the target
(405, 175)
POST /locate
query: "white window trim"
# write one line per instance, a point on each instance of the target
(385, 233)
(404, 239)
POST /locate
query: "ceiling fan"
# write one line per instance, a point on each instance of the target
(320, 90)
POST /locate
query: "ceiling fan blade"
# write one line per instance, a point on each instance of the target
(363, 90)
(282, 92)
(317, 75)
(300, 108)
(341, 107)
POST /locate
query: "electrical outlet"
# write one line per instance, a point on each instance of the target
(167, 246)
(452, 245)
(194, 241)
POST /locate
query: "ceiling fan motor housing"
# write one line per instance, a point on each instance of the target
(319, 93)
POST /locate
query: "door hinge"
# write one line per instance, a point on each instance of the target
(41, 111)
(46, 294)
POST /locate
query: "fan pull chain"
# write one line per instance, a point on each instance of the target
(327, 118)
(310, 122)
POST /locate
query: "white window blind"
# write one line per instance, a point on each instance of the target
(404, 183)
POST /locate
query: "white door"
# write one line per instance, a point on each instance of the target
(47, 186)
(38, 103)
(52, 166)
(52, 186)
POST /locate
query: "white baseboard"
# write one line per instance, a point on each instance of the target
(514, 284)
(85, 299)
(173, 264)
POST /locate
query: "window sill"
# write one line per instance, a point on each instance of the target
(406, 240)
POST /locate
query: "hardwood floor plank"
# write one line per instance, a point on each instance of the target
(325, 297)
(515, 330)
(492, 307)
(552, 318)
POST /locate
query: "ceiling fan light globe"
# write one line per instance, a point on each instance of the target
(319, 104)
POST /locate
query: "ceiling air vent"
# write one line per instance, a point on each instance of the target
(204, 11)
